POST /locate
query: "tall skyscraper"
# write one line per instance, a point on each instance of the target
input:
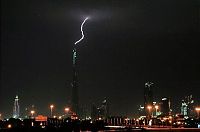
(184, 108)
(16, 108)
(148, 96)
(104, 108)
(101, 112)
(187, 106)
(165, 106)
(74, 96)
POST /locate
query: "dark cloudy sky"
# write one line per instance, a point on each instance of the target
(127, 43)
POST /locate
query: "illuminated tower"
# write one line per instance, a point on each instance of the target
(75, 97)
(16, 108)
(187, 106)
(148, 95)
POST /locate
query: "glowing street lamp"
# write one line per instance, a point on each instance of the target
(51, 109)
(9, 126)
(156, 107)
(67, 110)
(149, 108)
(32, 113)
(198, 110)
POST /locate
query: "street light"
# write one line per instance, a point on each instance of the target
(51, 108)
(198, 110)
(156, 107)
(67, 110)
(32, 113)
(149, 107)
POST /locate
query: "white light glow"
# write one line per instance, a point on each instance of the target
(82, 31)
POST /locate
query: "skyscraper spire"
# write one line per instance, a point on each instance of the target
(16, 107)
(148, 96)
(74, 96)
(75, 99)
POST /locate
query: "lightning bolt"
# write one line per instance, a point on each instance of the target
(82, 31)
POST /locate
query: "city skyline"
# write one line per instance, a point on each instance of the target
(187, 107)
(128, 44)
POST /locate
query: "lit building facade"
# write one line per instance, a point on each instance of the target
(187, 106)
(16, 107)
(184, 108)
(74, 95)
(148, 96)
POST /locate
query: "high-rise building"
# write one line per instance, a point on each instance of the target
(74, 96)
(165, 106)
(101, 112)
(104, 108)
(16, 108)
(148, 96)
(184, 108)
(187, 106)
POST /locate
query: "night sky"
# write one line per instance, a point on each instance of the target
(127, 43)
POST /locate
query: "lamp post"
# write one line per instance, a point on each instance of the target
(149, 108)
(198, 110)
(156, 107)
(51, 109)
(32, 113)
(67, 111)
(171, 120)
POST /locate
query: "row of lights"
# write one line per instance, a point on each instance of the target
(156, 107)
(67, 109)
(149, 107)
